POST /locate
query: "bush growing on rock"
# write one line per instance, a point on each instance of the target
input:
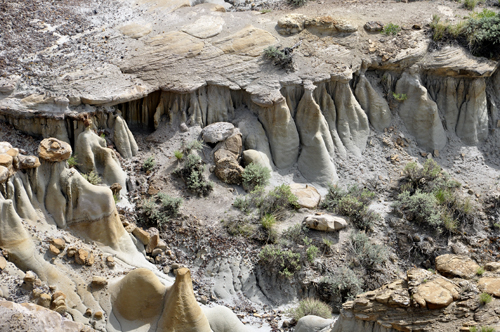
(255, 176)
(311, 306)
(92, 178)
(353, 203)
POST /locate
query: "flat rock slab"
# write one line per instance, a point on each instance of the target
(136, 30)
(205, 27)
(325, 222)
(436, 294)
(217, 132)
(490, 285)
(308, 196)
(456, 266)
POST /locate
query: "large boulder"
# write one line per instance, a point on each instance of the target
(308, 196)
(311, 323)
(217, 132)
(456, 266)
(54, 150)
(325, 222)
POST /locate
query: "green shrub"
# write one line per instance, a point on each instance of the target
(285, 262)
(421, 207)
(391, 29)
(255, 175)
(343, 285)
(353, 203)
(296, 234)
(116, 198)
(485, 298)
(268, 221)
(470, 4)
(92, 178)
(192, 174)
(480, 271)
(278, 201)
(72, 161)
(311, 306)
(239, 227)
(297, 3)
(312, 253)
(178, 154)
(159, 208)
(149, 164)
(481, 329)
(399, 96)
(193, 146)
(368, 254)
(277, 56)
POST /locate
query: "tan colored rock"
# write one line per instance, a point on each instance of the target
(138, 296)
(249, 41)
(3, 263)
(325, 222)
(437, 293)
(205, 27)
(54, 150)
(291, 24)
(4, 147)
(29, 277)
(490, 285)
(181, 312)
(115, 188)
(228, 170)
(135, 30)
(44, 300)
(81, 256)
(142, 235)
(99, 281)
(90, 259)
(53, 250)
(492, 266)
(308, 196)
(98, 315)
(155, 238)
(6, 160)
(4, 174)
(71, 252)
(58, 243)
(28, 162)
(456, 266)
(59, 302)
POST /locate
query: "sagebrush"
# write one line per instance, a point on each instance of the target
(311, 306)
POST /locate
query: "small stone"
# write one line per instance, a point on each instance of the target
(98, 315)
(53, 250)
(58, 243)
(99, 281)
(161, 245)
(175, 266)
(435, 153)
(29, 277)
(417, 26)
(166, 269)
(184, 127)
(373, 26)
(81, 256)
(71, 252)
(203, 299)
(90, 260)
(59, 302)
(217, 132)
(3, 263)
(88, 312)
(156, 252)
(110, 260)
(142, 235)
(115, 188)
(44, 300)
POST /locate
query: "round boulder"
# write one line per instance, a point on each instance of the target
(54, 150)
(217, 132)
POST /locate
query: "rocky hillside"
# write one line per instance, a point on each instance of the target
(168, 165)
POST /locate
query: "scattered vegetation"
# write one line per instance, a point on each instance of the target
(367, 253)
(430, 197)
(265, 11)
(284, 261)
(342, 285)
(353, 203)
(312, 253)
(480, 32)
(298, 3)
(92, 178)
(159, 208)
(399, 96)
(311, 306)
(116, 198)
(255, 176)
(178, 154)
(149, 164)
(481, 329)
(480, 271)
(191, 146)
(72, 161)
(278, 57)
(268, 221)
(485, 298)
(192, 174)
(391, 29)
(471, 4)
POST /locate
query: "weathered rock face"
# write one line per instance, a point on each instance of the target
(424, 301)
(456, 266)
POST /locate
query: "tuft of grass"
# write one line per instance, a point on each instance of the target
(265, 11)
(399, 96)
(470, 4)
(149, 164)
(116, 198)
(92, 178)
(268, 221)
(194, 145)
(391, 29)
(178, 154)
(480, 271)
(312, 253)
(72, 161)
(311, 306)
(485, 298)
